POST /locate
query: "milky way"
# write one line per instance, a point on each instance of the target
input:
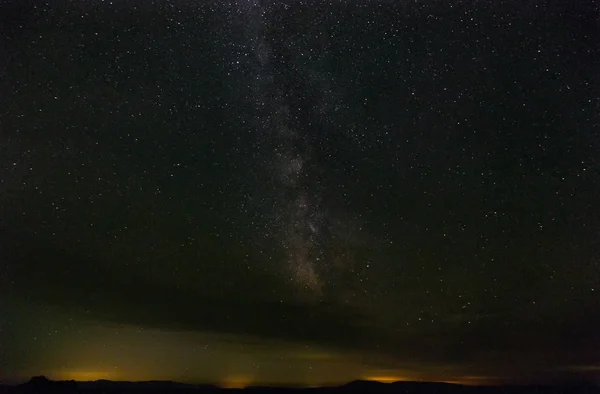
(299, 221)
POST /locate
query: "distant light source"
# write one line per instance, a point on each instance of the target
(237, 382)
(385, 379)
(82, 376)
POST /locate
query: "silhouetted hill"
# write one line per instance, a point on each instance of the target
(41, 384)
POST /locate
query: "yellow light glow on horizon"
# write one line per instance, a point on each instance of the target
(82, 376)
(385, 379)
(237, 382)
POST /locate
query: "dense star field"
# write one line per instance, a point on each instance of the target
(300, 192)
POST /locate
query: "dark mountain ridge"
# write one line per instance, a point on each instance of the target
(43, 384)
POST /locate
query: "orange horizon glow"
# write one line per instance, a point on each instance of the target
(461, 380)
(237, 382)
(83, 375)
(386, 379)
(244, 380)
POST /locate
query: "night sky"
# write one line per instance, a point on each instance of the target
(300, 192)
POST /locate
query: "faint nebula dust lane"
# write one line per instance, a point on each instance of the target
(296, 211)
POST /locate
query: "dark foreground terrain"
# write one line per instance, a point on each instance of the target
(41, 384)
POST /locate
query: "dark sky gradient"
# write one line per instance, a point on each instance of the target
(300, 192)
